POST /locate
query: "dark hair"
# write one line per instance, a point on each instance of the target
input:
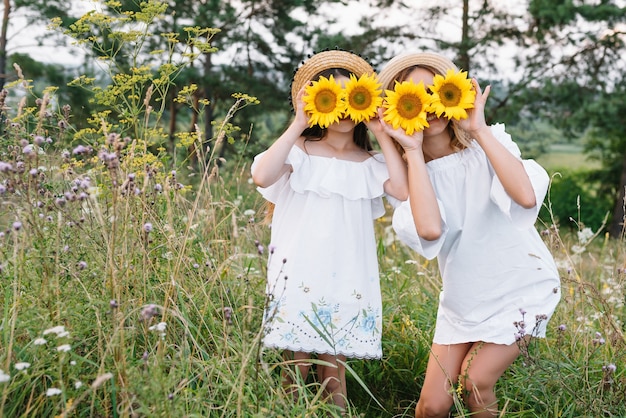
(315, 133)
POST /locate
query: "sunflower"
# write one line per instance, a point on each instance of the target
(452, 95)
(362, 97)
(406, 106)
(324, 102)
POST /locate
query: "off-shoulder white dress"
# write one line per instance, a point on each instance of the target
(499, 279)
(323, 282)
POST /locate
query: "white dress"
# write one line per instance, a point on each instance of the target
(499, 279)
(323, 283)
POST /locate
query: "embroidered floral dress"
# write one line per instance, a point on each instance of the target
(495, 268)
(323, 283)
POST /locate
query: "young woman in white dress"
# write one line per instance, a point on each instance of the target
(472, 204)
(327, 187)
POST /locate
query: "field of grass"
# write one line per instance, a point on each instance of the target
(566, 156)
(133, 283)
(130, 290)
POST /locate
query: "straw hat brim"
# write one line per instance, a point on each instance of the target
(438, 64)
(326, 60)
(435, 62)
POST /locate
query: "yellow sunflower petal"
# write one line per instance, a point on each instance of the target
(407, 106)
(452, 95)
(363, 97)
(324, 102)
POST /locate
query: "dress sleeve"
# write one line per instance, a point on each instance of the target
(272, 192)
(404, 226)
(523, 218)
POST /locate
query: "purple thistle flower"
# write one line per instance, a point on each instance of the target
(82, 265)
(29, 150)
(562, 327)
(81, 149)
(5, 167)
(17, 225)
(147, 227)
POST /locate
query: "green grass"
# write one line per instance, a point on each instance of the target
(133, 286)
(566, 156)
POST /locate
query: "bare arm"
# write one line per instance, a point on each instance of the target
(507, 166)
(272, 165)
(424, 206)
(397, 184)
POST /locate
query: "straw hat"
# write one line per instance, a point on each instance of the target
(436, 63)
(326, 60)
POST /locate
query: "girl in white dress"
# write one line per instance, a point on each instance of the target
(472, 204)
(327, 187)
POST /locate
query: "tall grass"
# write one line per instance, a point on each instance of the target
(133, 286)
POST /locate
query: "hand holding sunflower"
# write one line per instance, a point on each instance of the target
(452, 95)
(408, 104)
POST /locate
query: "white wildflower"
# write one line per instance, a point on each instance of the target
(410, 262)
(53, 392)
(4, 377)
(64, 348)
(40, 341)
(585, 235)
(249, 212)
(60, 329)
(158, 327)
(78, 384)
(22, 366)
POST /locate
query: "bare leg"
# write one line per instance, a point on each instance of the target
(300, 372)
(444, 366)
(482, 367)
(334, 377)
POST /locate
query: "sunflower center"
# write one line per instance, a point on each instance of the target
(409, 106)
(360, 99)
(450, 95)
(325, 101)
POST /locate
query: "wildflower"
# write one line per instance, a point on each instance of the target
(585, 235)
(148, 312)
(228, 314)
(33, 172)
(147, 227)
(28, 150)
(452, 95)
(78, 384)
(113, 304)
(323, 102)
(363, 97)
(609, 368)
(406, 106)
(4, 377)
(59, 329)
(158, 327)
(17, 225)
(53, 392)
(82, 265)
(21, 366)
(81, 150)
(5, 167)
(40, 341)
(562, 327)
(64, 348)
(39, 140)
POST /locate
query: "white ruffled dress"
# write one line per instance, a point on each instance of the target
(499, 279)
(323, 283)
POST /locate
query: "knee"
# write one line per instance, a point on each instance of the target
(433, 408)
(479, 395)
